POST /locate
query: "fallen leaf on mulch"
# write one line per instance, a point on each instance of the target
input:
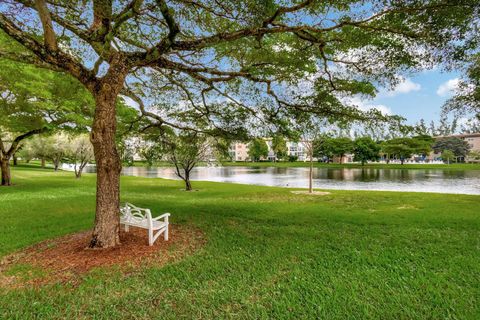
(66, 259)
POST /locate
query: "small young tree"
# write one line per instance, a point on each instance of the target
(56, 148)
(26, 152)
(279, 147)
(79, 152)
(257, 149)
(184, 151)
(448, 155)
(365, 149)
(308, 129)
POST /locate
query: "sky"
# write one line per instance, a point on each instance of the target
(419, 96)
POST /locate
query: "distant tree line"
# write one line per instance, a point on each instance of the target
(365, 149)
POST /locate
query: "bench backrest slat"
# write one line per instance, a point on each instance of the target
(134, 214)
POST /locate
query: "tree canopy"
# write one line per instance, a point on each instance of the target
(459, 147)
(403, 148)
(365, 149)
(333, 147)
(257, 149)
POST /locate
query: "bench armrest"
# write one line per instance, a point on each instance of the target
(163, 216)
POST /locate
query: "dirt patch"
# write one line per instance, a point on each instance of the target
(407, 206)
(66, 259)
(314, 193)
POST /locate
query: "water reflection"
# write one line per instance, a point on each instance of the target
(420, 180)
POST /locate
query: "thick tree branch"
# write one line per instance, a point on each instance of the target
(15, 143)
(48, 32)
(57, 59)
(172, 25)
(283, 10)
(102, 16)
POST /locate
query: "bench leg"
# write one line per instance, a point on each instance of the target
(127, 228)
(165, 234)
(150, 237)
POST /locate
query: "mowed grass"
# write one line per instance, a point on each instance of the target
(269, 253)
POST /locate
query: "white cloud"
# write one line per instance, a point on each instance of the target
(405, 86)
(448, 88)
(365, 106)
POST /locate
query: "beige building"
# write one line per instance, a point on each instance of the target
(238, 151)
(473, 140)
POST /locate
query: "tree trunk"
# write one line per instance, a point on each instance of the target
(78, 173)
(188, 184)
(107, 219)
(15, 160)
(56, 163)
(310, 176)
(43, 162)
(5, 167)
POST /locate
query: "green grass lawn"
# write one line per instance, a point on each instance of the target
(269, 253)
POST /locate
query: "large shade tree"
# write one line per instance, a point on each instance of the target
(225, 64)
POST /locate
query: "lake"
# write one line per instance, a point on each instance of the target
(416, 180)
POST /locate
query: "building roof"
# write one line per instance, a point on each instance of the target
(465, 135)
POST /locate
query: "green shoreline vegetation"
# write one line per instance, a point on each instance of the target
(301, 164)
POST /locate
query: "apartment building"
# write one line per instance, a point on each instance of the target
(238, 151)
(473, 140)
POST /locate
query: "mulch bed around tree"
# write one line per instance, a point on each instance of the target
(66, 259)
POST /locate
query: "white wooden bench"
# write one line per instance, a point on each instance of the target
(131, 215)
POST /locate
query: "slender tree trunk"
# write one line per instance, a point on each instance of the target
(107, 219)
(56, 163)
(78, 172)
(188, 184)
(42, 162)
(5, 167)
(15, 160)
(310, 176)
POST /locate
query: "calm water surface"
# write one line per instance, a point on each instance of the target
(418, 180)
